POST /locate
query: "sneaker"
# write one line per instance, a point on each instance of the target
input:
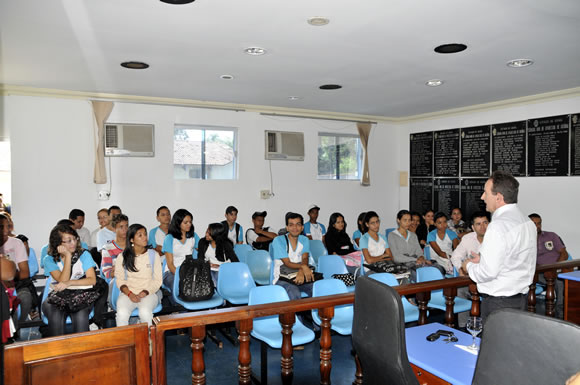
(93, 326)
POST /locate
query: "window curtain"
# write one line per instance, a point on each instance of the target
(364, 131)
(101, 110)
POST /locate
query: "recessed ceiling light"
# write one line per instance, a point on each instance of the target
(450, 48)
(318, 21)
(294, 97)
(255, 51)
(519, 63)
(434, 82)
(330, 87)
(135, 65)
(227, 77)
(177, 2)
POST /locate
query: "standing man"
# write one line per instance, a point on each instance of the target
(504, 268)
(235, 230)
(313, 229)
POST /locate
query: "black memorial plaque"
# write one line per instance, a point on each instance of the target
(575, 144)
(420, 194)
(422, 154)
(548, 145)
(446, 152)
(471, 190)
(508, 148)
(475, 151)
(446, 194)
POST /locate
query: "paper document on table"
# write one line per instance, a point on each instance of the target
(467, 349)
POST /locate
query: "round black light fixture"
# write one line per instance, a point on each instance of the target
(135, 65)
(450, 48)
(330, 87)
(177, 2)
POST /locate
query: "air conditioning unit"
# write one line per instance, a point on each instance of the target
(283, 145)
(123, 139)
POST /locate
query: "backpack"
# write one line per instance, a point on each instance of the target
(195, 282)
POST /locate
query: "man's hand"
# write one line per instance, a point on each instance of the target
(474, 257)
(308, 275)
(299, 280)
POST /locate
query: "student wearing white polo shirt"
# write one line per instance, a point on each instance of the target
(181, 241)
(77, 217)
(157, 234)
(313, 229)
(235, 232)
(374, 245)
(107, 233)
(292, 250)
(442, 241)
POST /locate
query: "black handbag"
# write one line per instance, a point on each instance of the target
(387, 267)
(73, 300)
(195, 282)
(347, 278)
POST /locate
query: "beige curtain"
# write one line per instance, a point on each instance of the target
(101, 110)
(364, 131)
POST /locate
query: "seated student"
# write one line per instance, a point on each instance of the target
(115, 247)
(235, 230)
(7, 273)
(292, 251)
(425, 227)
(457, 224)
(470, 242)
(137, 278)
(14, 249)
(259, 237)
(360, 231)
(216, 248)
(67, 263)
(404, 245)
(28, 283)
(77, 217)
(551, 249)
(157, 234)
(374, 245)
(415, 222)
(442, 242)
(313, 229)
(4, 208)
(103, 219)
(107, 233)
(181, 241)
(44, 250)
(337, 240)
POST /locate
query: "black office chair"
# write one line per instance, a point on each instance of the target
(378, 334)
(524, 348)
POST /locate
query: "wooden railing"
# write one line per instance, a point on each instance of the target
(243, 317)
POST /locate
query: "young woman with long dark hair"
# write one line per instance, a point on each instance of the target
(217, 248)
(181, 241)
(374, 245)
(337, 240)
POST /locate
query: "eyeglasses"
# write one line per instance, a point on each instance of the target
(69, 241)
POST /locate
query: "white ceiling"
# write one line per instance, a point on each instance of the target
(380, 51)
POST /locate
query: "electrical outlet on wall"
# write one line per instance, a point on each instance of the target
(104, 195)
(265, 194)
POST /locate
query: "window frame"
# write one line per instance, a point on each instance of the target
(359, 155)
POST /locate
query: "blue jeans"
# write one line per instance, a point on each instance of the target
(295, 290)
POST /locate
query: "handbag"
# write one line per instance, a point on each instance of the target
(347, 278)
(73, 300)
(387, 267)
(195, 282)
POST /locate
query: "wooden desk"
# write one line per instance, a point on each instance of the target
(440, 362)
(571, 296)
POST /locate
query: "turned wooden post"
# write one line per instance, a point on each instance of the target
(475, 312)
(550, 277)
(244, 356)
(532, 295)
(358, 375)
(197, 363)
(325, 314)
(422, 300)
(159, 375)
(450, 294)
(287, 361)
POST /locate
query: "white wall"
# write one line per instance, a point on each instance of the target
(52, 165)
(556, 199)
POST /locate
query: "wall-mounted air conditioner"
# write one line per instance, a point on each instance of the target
(283, 145)
(122, 139)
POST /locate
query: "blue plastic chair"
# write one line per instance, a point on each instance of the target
(214, 301)
(427, 253)
(33, 267)
(242, 251)
(317, 250)
(332, 264)
(430, 273)
(115, 296)
(343, 314)
(388, 231)
(411, 312)
(235, 282)
(45, 295)
(260, 265)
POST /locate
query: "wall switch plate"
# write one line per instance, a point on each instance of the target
(103, 195)
(265, 194)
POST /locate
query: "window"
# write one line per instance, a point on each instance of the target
(204, 152)
(339, 156)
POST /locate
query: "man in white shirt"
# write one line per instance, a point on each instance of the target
(471, 242)
(504, 268)
(77, 217)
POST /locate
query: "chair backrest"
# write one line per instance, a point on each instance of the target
(428, 273)
(331, 264)
(386, 278)
(427, 252)
(32, 263)
(388, 231)
(317, 249)
(330, 287)
(260, 264)
(267, 294)
(525, 348)
(242, 251)
(235, 282)
(378, 334)
(114, 294)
